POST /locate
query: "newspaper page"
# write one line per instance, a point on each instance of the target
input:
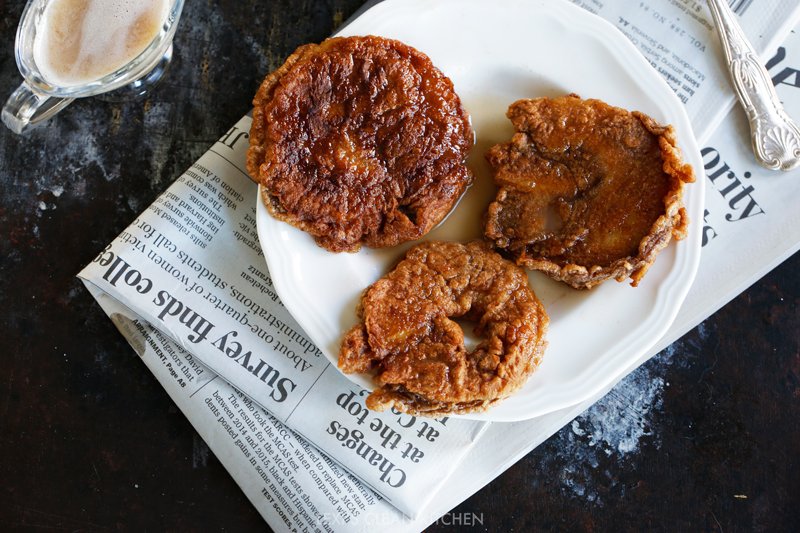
(174, 287)
(678, 38)
(294, 485)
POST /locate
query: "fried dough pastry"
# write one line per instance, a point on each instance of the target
(587, 191)
(359, 140)
(408, 337)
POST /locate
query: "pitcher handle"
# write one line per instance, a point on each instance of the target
(26, 108)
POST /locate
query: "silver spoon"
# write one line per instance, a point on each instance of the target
(775, 137)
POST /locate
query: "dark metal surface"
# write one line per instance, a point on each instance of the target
(703, 437)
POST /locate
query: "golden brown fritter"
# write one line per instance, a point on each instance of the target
(359, 140)
(587, 191)
(409, 339)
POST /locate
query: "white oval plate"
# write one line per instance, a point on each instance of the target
(495, 53)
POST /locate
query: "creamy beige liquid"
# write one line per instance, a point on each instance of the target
(79, 41)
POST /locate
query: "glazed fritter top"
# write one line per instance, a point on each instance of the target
(587, 191)
(410, 340)
(359, 140)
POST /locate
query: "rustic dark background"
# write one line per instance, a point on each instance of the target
(703, 437)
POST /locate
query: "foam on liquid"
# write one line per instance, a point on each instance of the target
(79, 41)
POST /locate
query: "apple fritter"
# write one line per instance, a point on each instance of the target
(410, 339)
(586, 191)
(359, 140)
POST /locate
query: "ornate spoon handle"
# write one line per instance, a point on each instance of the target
(776, 139)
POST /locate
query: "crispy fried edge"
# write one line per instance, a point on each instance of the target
(255, 153)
